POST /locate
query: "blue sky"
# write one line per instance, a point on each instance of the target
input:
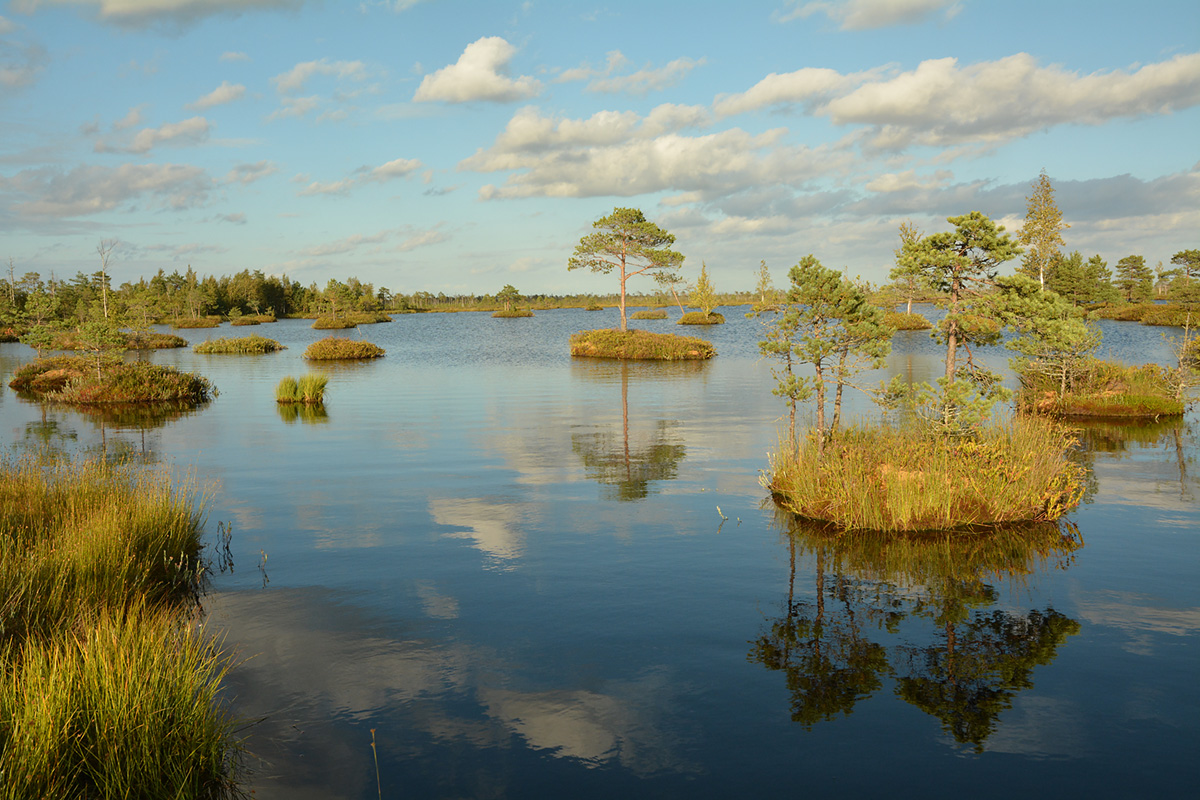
(434, 145)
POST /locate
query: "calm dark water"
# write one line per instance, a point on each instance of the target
(510, 566)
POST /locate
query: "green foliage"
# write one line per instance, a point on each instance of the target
(701, 318)
(308, 389)
(649, 314)
(909, 278)
(102, 339)
(952, 409)
(1188, 262)
(1105, 389)
(239, 345)
(333, 348)
(765, 289)
(1131, 312)
(195, 322)
(639, 345)
(509, 296)
(330, 323)
(704, 296)
(513, 313)
(1135, 280)
(146, 340)
(901, 321)
(1082, 283)
(1173, 315)
(626, 241)
(887, 479)
(1042, 231)
(136, 382)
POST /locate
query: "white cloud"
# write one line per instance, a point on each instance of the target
(246, 174)
(93, 189)
(294, 79)
(234, 55)
(139, 13)
(332, 187)
(225, 93)
(130, 120)
(398, 168)
(615, 59)
(294, 107)
(235, 219)
(644, 80)
(188, 132)
(855, 15)
(479, 74)
(904, 181)
(422, 239)
(804, 86)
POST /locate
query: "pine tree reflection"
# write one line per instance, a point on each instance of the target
(626, 470)
(869, 592)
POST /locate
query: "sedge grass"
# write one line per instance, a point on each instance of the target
(333, 348)
(639, 345)
(143, 340)
(1172, 315)
(1103, 389)
(700, 318)
(331, 323)
(888, 479)
(649, 314)
(195, 322)
(512, 313)
(309, 389)
(239, 345)
(1125, 312)
(73, 380)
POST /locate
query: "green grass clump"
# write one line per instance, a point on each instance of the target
(902, 321)
(309, 389)
(888, 479)
(594, 307)
(1126, 312)
(144, 340)
(367, 317)
(648, 314)
(243, 344)
(239, 321)
(512, 313)
(105, 691)
(328, 323)
(73, 379)
(195, 322)
(700, 318)
(1174, 315)
(333, 348)
(636, 344)
(1103, 389)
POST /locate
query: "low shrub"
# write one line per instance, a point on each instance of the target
(333, 348)
(636, 344)
(1174, 315)
(333, 323)
(700, 318)
(1126, 312)
(648, 314)
(1103, 389)
(889, 479)
(902, 321)
(242, 344)
(513, 313)
(309, 389)
(73, 379)
(595, 307)
(195, 322)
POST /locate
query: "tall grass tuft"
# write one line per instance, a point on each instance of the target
(239, 345)
(333, 348)
(309, 389)
(888, 479)
(1103, 389)
(635, 344)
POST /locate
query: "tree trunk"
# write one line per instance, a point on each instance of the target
(820, 408)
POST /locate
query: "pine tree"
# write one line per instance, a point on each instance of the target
(1042, 231)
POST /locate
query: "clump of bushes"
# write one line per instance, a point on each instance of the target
(701, 318)
(104, 690)
(72, 379)
(242, 344)
(892, 479)
(252, 319)
(902, 321)
(195, 322)
(1125, 312)
(648, 314)
(331, 323)
(310, 389)
(637, 344)
(333, 348)
(595, 307)
(1103, 389)
(148, 340)
(367, 317)
(512, 313)
(1174, 315)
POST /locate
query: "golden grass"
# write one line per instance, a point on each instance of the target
(635, 344)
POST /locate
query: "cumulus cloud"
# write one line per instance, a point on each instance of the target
(807, 86)
(479, 74)
(855, 15)
(397, 168)
(131, 120)
(294, 79)
(644, 80)
(225, 93)
(234, 55)
(188, 132)
(392, 170)
(620, 154)
(331, 187)
(246, 174)
(141, 13)
(94, 189)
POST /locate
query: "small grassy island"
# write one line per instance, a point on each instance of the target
(906, 321)
(79, 381)
(1104, 390)
(512, 313)
(108, 688)
(635, 344)
(239, 345)
(701, 318)
(195, 322)
(647, 313)
(334, 348)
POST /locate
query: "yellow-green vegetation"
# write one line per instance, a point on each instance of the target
(195, 322)
(903, 321)
(106, 690)
(331, 323)
(1127, 312)
(239, 344)
(239, 321)
(334, 348)
(513, 313)
(74, 380)
(701, 318)
(595, 307)
(1103, 389)
(309, 389)
(148, 340)
(894, 479)
(1177, 315)
(367, 317)
(635, 344)
(648, 314)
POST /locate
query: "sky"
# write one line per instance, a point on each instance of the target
(453, 146)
